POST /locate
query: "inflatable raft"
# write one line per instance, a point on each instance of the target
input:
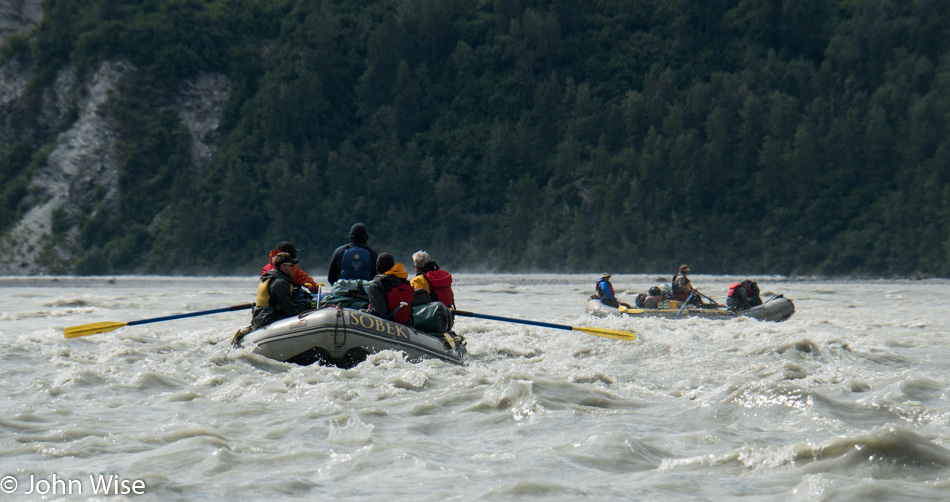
(337, 336)
(776, 309)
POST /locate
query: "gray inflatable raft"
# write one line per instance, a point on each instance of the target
(776, 309)
(344, 337)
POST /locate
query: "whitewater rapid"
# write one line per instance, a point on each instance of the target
(847, 400)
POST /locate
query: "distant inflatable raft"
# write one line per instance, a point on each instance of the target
(343, 337)
(777, 309)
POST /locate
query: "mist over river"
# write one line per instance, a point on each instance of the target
(847, 400)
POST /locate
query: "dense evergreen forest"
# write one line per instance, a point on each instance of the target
(739, 136)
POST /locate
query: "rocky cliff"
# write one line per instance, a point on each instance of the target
(72, 120)
(18, 16)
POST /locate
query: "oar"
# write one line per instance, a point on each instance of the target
(627, 310)
(609, 333)
(391, 314)
(710, 299)
(686, 303)
(105, 327)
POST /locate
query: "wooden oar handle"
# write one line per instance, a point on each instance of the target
(710, 299)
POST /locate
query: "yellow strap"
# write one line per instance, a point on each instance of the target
(449, 340)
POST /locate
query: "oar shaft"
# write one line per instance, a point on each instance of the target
(105, 327)
(609, 333)
(509, 319)
(686, 303)
(710, 299)
(191, 314)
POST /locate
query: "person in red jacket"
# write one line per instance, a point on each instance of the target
(390, 295)
(743, 295)
(299, 277)
(437, 283)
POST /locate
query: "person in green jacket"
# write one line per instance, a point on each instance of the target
(275, 292)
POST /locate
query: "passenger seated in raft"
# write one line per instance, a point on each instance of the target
(355, 259)
(654, 298)
(604, 291)
(388, 290)
(275, 293)
(743, 295)
(299, 277)
(431, 283)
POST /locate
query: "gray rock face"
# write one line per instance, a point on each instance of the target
(199, 103)
(18, 16)
(81, 176)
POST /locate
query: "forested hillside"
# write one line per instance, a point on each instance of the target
(739, 136)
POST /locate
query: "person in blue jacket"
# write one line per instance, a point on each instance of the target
(355, 259)
(604, 291)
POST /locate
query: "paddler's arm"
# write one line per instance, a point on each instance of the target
(377, 299)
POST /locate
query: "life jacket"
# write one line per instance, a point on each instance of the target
(263, 290)
(263, 294)
(400, 293)
(607, 286)
(356, 263)
(679, 289)
(440, 284)
(733, 288)
(264, 313)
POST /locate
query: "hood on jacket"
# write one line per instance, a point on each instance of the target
(398, 271)
(359, 234)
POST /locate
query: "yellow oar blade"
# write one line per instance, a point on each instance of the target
(92, 329)
(609, 333)
(625, 310)
(102, 327)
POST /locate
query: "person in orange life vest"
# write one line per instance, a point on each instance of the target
(682, 288)
(298, 277)
(604, 291)
(275, 293)
(437, 283)
(388, 289)
(743, 295)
